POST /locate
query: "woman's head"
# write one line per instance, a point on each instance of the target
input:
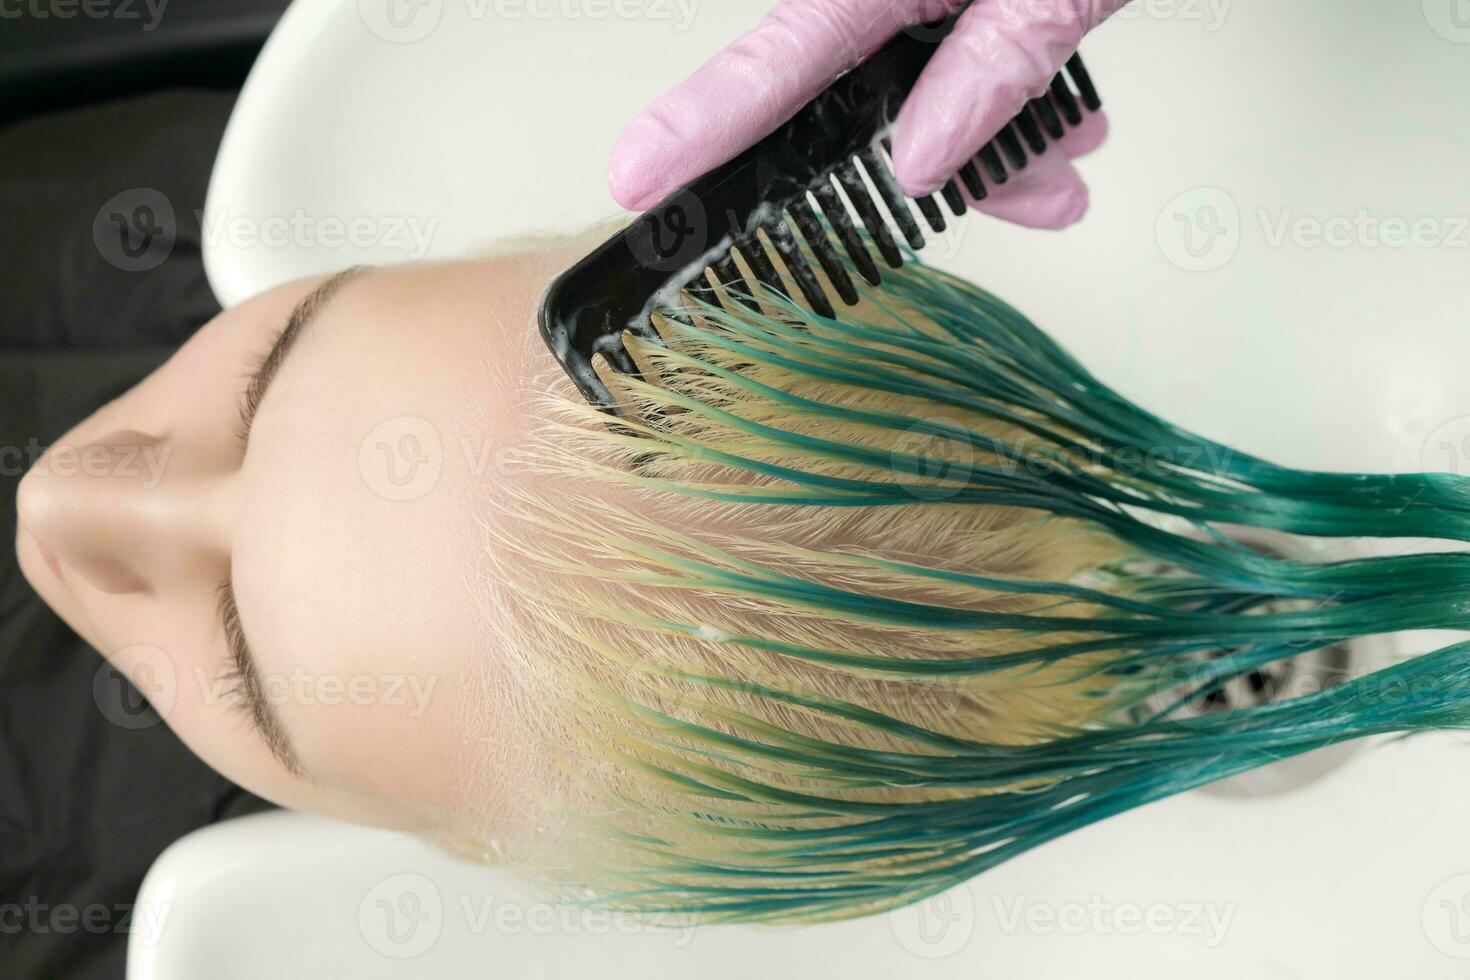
(344, 532)
(351, 544)
(844, 611)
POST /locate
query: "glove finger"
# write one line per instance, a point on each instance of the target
(750, 88)
(1082, 139)
(1048, 194)
(1002, 54)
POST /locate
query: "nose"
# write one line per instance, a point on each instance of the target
(128, 512)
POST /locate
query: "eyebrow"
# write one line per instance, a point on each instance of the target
(302, 316)
(262, 713)
(252, 686)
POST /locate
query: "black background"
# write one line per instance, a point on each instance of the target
(93, 107)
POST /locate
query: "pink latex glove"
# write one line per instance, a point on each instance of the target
(1001, 54)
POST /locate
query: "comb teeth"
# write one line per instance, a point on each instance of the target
(857, 196)
(970, 177)
(841, 222)
(952, 196)
(784, 243)
(990, 160)
(1083, 80)
(892, 195)
(821, 246)
(727, 274)
(1051, 114)
(1010, 145)
(1065, 101)
(1030, 131)
(755, 256)
(802, 214)
(1046, 114)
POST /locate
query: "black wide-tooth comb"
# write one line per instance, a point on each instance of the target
(784, 186)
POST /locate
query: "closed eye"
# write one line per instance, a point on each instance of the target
(249, 399)
(244, 684)
(270, 363)
(244, 687)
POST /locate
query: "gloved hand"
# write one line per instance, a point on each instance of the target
(1001, 54)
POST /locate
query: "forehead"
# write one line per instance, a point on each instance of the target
(356, 539)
